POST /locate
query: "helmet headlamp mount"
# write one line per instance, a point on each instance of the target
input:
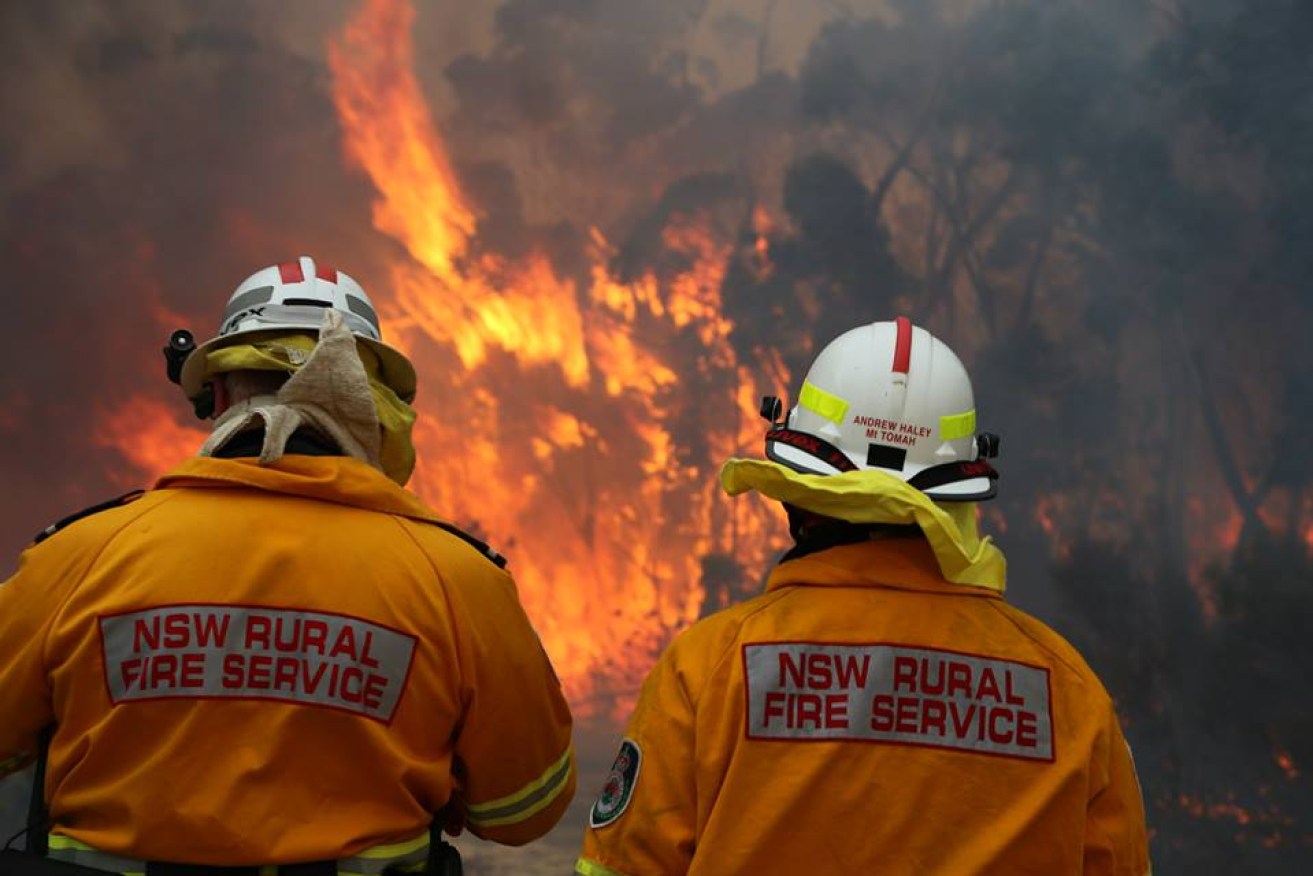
(180, 346)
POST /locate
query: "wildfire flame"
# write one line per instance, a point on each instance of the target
(549, 403)
(145, 432)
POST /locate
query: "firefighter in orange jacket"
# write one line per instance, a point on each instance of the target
(278, 655)
(880, 708)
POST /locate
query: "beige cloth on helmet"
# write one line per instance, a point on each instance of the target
(330, 392)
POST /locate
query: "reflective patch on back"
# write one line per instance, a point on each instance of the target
(252, 652)
(898, 694)
(619, 787)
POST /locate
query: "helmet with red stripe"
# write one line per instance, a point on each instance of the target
(888, 396)
(293, 296)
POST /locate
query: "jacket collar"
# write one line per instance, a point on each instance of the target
(338, 479)
(899, 563)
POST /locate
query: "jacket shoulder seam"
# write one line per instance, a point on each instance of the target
(146, 508)
(735, 639)
(1083, 671)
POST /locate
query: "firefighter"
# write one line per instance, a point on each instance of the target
(879, 708)
(277, 655)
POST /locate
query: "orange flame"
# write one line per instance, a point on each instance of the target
(548, 414)
(143, 430)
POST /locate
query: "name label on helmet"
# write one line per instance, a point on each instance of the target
(252, 652)
(892, 431)
(812, 692)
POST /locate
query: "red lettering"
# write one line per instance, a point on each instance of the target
(959, 679)
(316, 636)
(310, 680)
(367, 659)
(793, 670)
(1011, 698)
(193, 670)
(836, 711)
(163, 671)
(799, 711)
(1001, 737)
(285, 639)
(808, 709)
(145, 635)
(349, 674)
(177, 630)
(233, 667)
(847, 670)
(345, 644)
(130, 670)
(882, 713)
(932, 716)
(257, 632)
(818, 671)
(961, 720)
(258, 670)
(286, 670)
(926, 686)
(905, 673)
(1027, 730)
(907, 709)
(211, 629)
(375, 686)
(988, 687)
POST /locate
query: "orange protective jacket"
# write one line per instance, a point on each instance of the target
(258, 665)
(864, 715)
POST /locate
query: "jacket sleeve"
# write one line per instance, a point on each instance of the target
(28, 603)
(645, 819)
(1116, 838)
(514, 758)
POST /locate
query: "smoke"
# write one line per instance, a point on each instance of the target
(1102, 207)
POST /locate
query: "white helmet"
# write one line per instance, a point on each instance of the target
(893, 397)
(293, 295)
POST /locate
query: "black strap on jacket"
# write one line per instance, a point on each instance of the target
(38, 820)
(444, 859)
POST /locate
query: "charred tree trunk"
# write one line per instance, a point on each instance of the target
(1252, 524)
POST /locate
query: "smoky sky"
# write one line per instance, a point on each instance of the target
(1101, 206)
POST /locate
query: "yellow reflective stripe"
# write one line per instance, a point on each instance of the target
(69, 850)
(376, 859)
(586, 867)
(406, 856)
(395, 850)
(817, 400)
(955, 426)
(526, 802)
